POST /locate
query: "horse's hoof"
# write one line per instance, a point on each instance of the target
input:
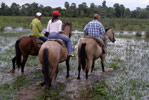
(78, 78)
(41, 83)
(67, 76)
(10, 71)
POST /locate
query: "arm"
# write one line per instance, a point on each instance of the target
(86, 29)
(60, 26)
(48, 27)
(39, 26)
(102, 30)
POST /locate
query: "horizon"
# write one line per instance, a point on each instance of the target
(109, 3)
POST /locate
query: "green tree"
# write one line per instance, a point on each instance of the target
(15, 9)
(117, 10)
(104, 3)
(4, 10)
(122, 9)
(127, 13)
(110, 12)
(73, 10)
(66, 5)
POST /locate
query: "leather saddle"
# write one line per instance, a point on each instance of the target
(99, 41)
(60, 41)
(37, 44)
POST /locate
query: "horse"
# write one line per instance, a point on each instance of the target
(90, 49)
(24, 47)
(51, 54)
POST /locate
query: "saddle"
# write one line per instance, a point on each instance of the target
(37, 44)
(99, 41)
(60, 41)
(37, 40)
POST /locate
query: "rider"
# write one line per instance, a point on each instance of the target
(95, 28)
(54, 28)
(36, 27)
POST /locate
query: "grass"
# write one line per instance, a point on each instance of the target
(78, 23)
(8, 91)
(53, 93)
(98, 92)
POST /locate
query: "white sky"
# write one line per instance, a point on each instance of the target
(132, 4)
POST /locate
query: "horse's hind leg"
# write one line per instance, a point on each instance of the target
(56, 72)
(89, 64)
(93, 65)
(79, 69)
(23, 63)
(86, 73)
(52, 73)
(102, 63)
(67, 64)
(13, 62)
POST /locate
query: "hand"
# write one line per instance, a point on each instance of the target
(47, 34)
(61, 32)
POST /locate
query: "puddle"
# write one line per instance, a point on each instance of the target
(131, 55)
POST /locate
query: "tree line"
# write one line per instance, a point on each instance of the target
(71, 10)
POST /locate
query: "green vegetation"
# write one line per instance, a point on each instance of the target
(98, 92)
(53, 93)
(9, 90)
(117, 11)
(119, 24)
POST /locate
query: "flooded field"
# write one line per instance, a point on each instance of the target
(127, 79)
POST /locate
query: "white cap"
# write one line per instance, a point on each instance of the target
(38, 14)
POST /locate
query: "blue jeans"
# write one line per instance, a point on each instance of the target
(43, 38)
(64, 38)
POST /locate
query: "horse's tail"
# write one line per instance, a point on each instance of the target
(18, 54)
(46, 66)
(83, 55)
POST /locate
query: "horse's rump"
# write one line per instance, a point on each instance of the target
(56, 50)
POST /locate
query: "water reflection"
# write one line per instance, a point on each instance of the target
(143, 34)
(13, 29)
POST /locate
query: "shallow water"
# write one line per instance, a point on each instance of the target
(130, 54)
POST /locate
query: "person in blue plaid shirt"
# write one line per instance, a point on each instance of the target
(95, 28)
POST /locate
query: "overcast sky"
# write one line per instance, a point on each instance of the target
(132, 4)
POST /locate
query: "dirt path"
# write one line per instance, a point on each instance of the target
(72, 86)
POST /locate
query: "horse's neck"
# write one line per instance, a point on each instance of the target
(105, 39)
(66, 31)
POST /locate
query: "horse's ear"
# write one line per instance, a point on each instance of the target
(107, 29)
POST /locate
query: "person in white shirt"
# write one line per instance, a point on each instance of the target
(54, 28)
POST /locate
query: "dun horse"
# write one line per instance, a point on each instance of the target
(89, 50)
(24, 47)
(51, 54)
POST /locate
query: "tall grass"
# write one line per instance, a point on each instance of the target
(118, 24)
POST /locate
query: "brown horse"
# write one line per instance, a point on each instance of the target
(24, 47)
(89, 50)
(51, 54)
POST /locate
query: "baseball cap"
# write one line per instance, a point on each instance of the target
(38, 14)
(55, 13)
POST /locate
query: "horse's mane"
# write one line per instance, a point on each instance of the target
(107, 29)
(65, 24)
(69, 24)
